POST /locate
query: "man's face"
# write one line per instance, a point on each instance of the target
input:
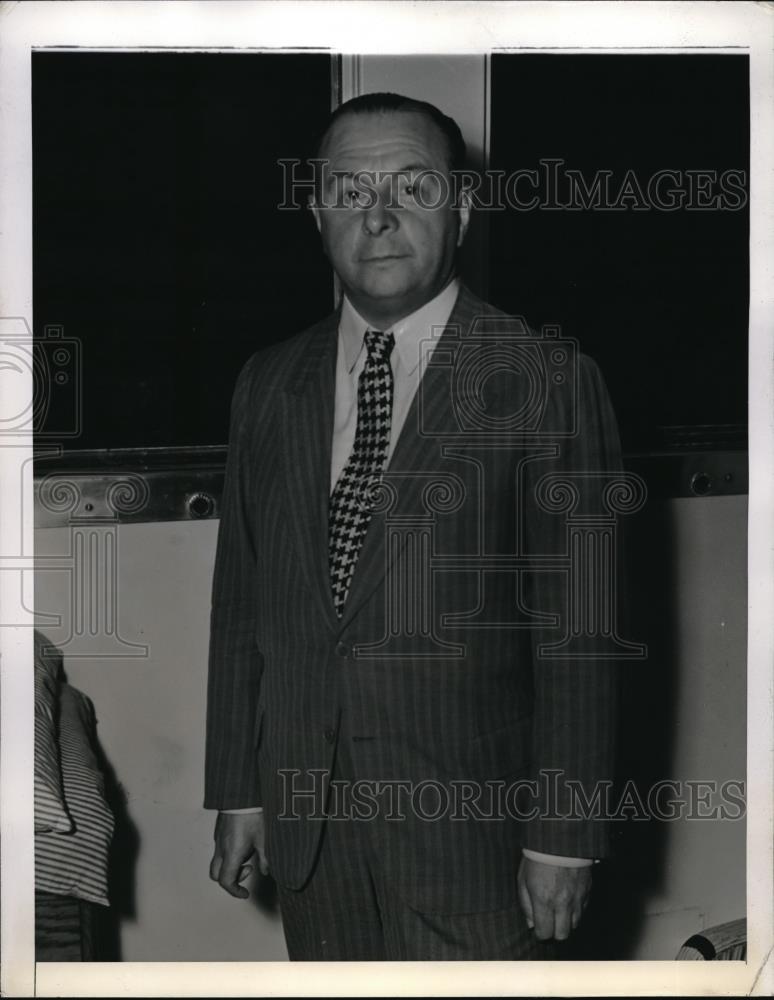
(390, 239)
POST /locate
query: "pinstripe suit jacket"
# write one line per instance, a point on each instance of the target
(434, 665)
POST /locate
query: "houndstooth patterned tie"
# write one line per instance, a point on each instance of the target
(350, 512)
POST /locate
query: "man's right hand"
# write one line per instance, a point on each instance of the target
(238, 836)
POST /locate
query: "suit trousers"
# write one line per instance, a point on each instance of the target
(347, 911)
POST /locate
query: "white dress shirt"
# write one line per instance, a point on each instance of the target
(416, 337)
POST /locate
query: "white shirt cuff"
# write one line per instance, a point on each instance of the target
(556, 859)
(239, 812)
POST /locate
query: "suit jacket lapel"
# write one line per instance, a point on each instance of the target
(415, 457)
(308, 425)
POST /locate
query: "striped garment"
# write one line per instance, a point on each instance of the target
(50, 810)
(64, 929)
(75, 863)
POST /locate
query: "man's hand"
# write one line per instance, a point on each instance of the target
(238, 836)
(553, 897)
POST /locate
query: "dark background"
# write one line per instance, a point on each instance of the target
(156, 237)
(658, 298)
(158, 245)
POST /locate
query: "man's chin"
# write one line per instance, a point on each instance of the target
(391, 294)
(388, 287)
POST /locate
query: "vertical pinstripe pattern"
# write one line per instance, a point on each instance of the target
(284, 669)
(348, 911)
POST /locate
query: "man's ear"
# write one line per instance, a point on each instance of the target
(464, 206)
(315, 212)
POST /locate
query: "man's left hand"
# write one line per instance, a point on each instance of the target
(553, 897)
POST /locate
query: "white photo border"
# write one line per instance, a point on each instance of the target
(377, 28)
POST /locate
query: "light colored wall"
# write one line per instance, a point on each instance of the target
(455, 83)
(703, 866)
(151, 714)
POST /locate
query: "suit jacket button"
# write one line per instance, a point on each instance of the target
(330, 735)
(342, 649)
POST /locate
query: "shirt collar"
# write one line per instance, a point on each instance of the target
(409, 333)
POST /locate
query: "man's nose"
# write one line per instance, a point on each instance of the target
(379, 217)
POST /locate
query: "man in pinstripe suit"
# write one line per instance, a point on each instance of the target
(371, 622)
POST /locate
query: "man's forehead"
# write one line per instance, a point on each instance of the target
(389, 139)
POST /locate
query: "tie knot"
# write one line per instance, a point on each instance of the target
(379, 344)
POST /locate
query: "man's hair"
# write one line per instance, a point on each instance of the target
(377, 103)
